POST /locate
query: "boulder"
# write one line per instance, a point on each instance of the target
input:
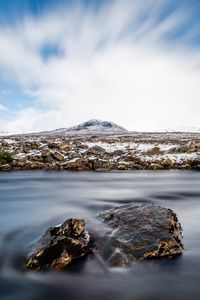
(64, 147)
(59, 246)
(124, 234)
(156, 166)
(57, 155)
(95, 150)
(167, 163)
(46, 152)
(138, 231)
(52, 145)
(35, 165)
(154, 151)
(193, 146)
(5, 167)
(75, 164)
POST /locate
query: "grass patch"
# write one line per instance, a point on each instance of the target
(6, 157)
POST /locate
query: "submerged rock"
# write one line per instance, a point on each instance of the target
(59, 246)
(138, 231)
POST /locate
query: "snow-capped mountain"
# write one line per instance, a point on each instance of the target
(96, 126)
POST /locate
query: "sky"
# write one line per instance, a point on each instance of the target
(133, 62)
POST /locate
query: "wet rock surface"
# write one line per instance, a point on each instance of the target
(138, 231)
(59, 246)
(125, 234)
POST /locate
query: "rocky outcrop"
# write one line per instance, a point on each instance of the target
(59, 246)
(125, 234)
(138, 231)
(58, 156)
(100, 152)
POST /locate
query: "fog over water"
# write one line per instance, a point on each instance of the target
(31, 201)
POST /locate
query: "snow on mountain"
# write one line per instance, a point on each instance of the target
(96, 126)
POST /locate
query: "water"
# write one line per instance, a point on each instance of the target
(32, 201)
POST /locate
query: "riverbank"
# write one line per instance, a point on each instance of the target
(129, 151)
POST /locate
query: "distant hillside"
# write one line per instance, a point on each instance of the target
(90, 126)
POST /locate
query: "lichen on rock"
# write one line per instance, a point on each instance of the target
(125, 234)
(59, 246)
(138, 231)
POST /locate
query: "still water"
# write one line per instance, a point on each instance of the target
(32, 201)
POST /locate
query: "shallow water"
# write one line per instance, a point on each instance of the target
(32, 201)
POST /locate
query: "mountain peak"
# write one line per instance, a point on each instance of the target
(90, 126)
(95, 125)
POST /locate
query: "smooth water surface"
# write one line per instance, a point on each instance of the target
(31, 201)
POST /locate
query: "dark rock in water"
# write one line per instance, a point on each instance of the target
(59, 246)
(128, 233)
(138, 231)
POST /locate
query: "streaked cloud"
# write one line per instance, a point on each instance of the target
(128, 62)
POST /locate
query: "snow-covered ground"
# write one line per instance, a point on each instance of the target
(110, 151)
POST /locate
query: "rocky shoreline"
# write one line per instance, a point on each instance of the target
(127, 151)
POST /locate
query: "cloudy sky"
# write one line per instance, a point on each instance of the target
(133, 62)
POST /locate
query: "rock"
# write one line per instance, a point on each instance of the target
(46, 152)
(59, 246)
(182, 148)
(123, 165)
(156, 166)
(95, 150)
(64, 147)
(5, 167)
(35, 165)
(20, 163)
(57, 155)
(75, 164)
(35, 145)
(34, 157)
(154, 151)
(138, 231)
(193, 146)
(118, 152)
(167, 163)
(195, 164)
(52, 145)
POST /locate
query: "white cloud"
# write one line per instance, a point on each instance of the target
(2, 107)
(112, 67)
(30, 119)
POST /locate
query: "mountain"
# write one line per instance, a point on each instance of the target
(97, 125)
(91, 126)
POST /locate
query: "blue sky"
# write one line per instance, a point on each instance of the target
(133, 62)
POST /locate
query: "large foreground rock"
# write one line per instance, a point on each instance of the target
(125, 234)
(59, 246)
(138, 231)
